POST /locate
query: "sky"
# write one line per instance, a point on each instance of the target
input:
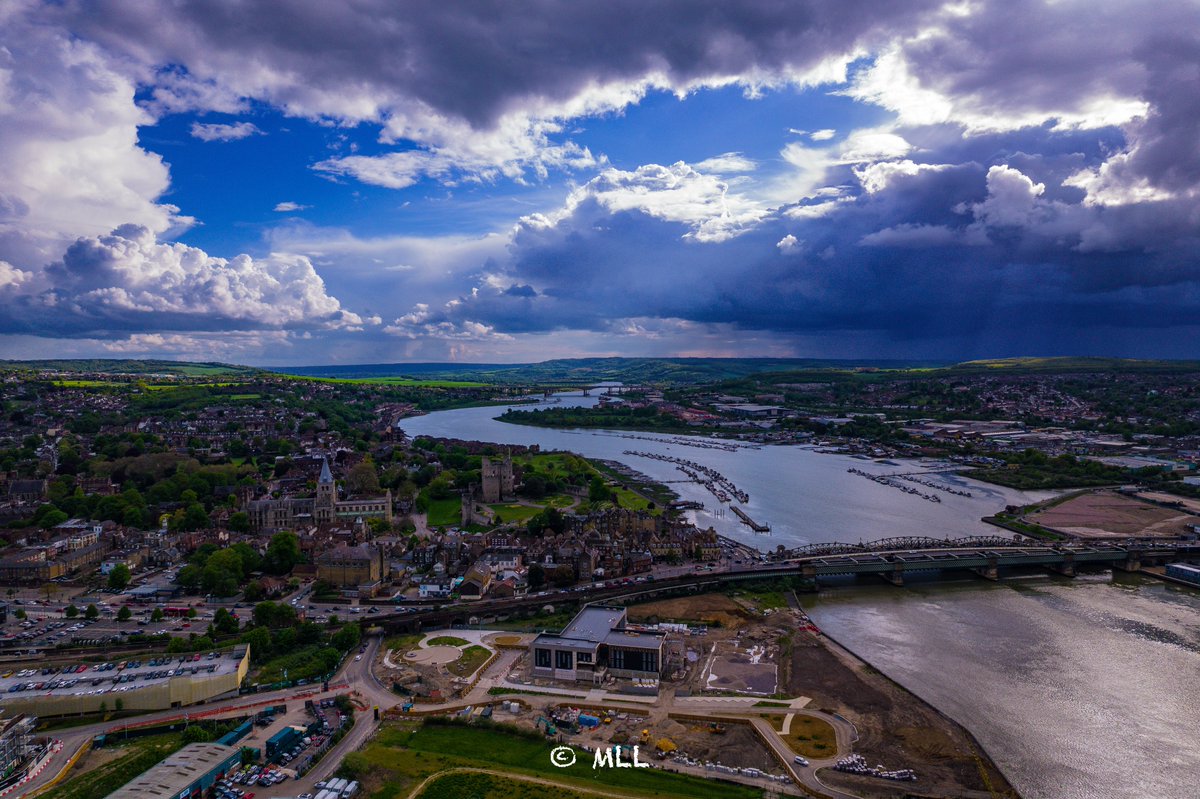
(293, 183)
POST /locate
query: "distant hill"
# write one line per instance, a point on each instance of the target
(585, 371)
(1075, 364)
(130, 367)
(580, 371)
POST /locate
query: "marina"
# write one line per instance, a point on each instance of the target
(718, 484)
(746, 520)
(887, 480)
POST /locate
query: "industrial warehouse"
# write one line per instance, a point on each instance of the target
(150, 683)
(191, 771)
(597, 644)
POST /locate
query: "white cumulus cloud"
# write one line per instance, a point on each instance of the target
(220, 132)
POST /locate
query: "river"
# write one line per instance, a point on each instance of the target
(1079, 689)
(805, 496)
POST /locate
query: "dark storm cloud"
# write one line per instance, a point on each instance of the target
(477, 60)
(959, 253)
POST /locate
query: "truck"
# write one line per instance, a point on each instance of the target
(350, 790)
(336, 786)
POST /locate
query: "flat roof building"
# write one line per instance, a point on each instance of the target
(189, 772)
(596, 644)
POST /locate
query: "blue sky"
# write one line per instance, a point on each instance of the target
(293, 182)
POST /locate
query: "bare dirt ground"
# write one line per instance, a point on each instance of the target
(712, 609)
(1106, 514)
(895, 728)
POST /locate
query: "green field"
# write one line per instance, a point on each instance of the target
(403, 754)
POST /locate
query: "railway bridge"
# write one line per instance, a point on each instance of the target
(892, 559)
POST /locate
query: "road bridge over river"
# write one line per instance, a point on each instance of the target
(891, 559)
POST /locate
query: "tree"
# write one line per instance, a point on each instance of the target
(239, 522)
(71, 612)
(52, 519)
(537, 575)
(563, 575)
(195, 517)
(259, 641)
(222, 573)
(103, 707)
(598, 491)
(177, 645)
(363, 479)
(124, 614)
(190, 577)
(92, 612)
(308, 634)
(347, 638)
(254, 592)
(156, 615)
(251, 560)
(283, 553)
(118, 704)
(119, 577)
(224, 622)
(274, 615)
(20, 614)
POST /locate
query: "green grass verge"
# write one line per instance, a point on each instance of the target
(402, 754)
(135, 757)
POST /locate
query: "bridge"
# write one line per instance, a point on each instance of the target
(889, 558)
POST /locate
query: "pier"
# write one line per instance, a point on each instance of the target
(746, 520)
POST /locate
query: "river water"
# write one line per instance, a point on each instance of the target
(805, 496)
(1079, 689)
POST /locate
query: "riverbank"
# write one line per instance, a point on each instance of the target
(895, 727)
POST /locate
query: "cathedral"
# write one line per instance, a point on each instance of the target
(323, 510)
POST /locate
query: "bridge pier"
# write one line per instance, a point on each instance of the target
(1066, 568)
(1132, 562)
(989, 572)
(895, 576)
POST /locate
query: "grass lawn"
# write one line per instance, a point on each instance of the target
(403, 643)
(558, 501)
(134, 757)
(630, 500)
(402, 754)
(515, 513)
(447, 640)
(471, 659)
(445, 512)
(809, 736)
